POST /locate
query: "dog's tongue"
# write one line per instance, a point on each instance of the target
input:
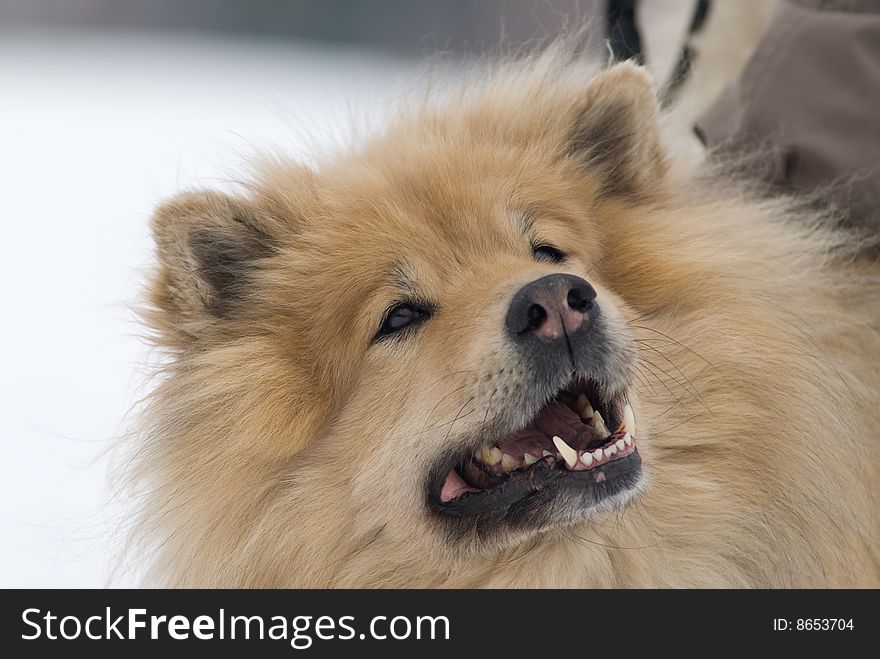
(454, 486)
(555, 419)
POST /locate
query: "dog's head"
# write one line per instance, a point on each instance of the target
(420, 342)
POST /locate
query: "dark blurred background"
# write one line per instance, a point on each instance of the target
(402, 26)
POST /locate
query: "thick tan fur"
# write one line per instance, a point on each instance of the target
(282, 448)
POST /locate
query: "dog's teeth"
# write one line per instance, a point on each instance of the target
(587, 458)
(597, 454)
(611, 450)
(530, 459)
(490, 455)
(584, 409)
(546, 453)
(568, 453)
(629, 421)
(627, 439)
(598, 424)
(620, 444)
(509, 462)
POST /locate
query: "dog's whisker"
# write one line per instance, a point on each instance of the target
(682, 345)
(678, 370)
(652, 369)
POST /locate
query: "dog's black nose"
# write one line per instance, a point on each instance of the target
(550, 307)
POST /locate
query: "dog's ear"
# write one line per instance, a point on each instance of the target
(209, 246)
(615, 131)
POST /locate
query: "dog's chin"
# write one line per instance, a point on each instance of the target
(562, 467)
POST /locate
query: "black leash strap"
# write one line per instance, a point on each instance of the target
(623, 33)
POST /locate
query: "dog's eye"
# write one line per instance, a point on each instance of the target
(547, 253)
(402, 316)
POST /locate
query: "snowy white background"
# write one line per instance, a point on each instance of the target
(95, 129)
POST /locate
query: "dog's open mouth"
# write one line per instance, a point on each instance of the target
(569, 443)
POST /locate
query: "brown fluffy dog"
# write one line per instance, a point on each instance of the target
(354, 347)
